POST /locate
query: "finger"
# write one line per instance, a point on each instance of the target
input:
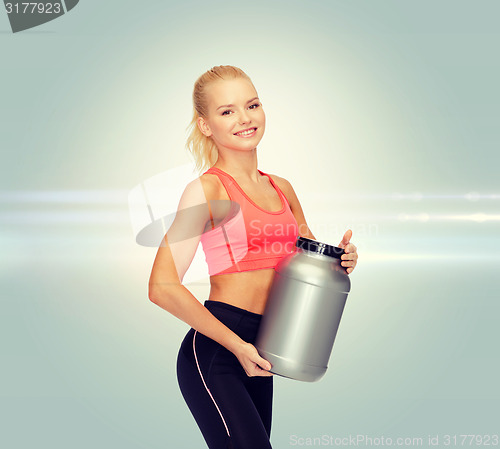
(345, 239)
(263, 364)
(349, 256)
(350, 248)
(262, 372)
(256, 370)
(260, 361)
(352, 254)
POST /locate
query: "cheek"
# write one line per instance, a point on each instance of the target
(223, 126)
(231, 126)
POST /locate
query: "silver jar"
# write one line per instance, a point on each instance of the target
(303, 311)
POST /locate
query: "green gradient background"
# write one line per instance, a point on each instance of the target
(366, 101)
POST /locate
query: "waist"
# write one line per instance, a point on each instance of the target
(225, 307)
(242, 322)
(247, 290)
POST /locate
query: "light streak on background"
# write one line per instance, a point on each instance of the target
(117, 195)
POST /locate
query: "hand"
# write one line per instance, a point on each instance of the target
(251, 361)
(350, 258)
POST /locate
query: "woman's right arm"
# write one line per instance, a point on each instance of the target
(171, 263)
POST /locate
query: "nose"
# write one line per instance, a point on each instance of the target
(244, 117)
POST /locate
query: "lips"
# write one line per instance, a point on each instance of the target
(245, 132)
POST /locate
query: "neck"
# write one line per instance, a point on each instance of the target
(241, 165)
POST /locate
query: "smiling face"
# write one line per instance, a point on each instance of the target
(235, 118)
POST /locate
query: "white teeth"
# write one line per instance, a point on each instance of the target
(246, 133)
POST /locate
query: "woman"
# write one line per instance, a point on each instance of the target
(246, 221)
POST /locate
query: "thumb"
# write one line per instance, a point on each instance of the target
(345, 240)
(263, 363)
(259, 360)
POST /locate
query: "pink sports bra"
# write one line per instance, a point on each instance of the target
(249, 238)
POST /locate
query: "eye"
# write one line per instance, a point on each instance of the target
(224, 112)
(255, 104)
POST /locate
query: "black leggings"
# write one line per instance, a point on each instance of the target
(231, 409)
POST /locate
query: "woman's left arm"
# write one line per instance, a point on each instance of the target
(350, 258)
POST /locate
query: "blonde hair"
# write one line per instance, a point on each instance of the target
(203, 148)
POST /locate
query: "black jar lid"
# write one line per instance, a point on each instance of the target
(319, 248)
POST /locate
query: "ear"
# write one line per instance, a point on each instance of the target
(203, 126)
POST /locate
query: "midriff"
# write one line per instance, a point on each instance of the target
(247, 290)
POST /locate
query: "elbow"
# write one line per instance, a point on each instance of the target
(161, 295)
(155, 294)
(152, 295)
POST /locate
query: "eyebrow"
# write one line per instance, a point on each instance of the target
(231, 105)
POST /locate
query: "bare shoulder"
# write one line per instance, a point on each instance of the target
(200, 190)
(211, 185)
(283, 184)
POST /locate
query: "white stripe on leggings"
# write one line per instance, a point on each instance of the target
(201, 375)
